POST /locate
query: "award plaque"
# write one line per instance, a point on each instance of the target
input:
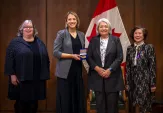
(83, 54)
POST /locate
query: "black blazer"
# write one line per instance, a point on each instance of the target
(19, 60)
(113, 59)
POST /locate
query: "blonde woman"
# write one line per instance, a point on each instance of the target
(70, 88)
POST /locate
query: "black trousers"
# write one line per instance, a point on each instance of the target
(26, 106)
(106, 102)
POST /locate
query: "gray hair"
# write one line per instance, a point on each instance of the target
(103, 20)
(20, 30)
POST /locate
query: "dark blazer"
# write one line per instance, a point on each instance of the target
(113, 59)
(19, 60)
(63, 44)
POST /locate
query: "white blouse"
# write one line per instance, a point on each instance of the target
(103, 46)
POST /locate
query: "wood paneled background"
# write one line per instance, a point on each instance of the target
(49, 17)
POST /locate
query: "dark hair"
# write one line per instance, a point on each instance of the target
(145, 32)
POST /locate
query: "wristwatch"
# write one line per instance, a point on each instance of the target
(110, 69)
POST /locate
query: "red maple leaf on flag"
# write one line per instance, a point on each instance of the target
(116, 34)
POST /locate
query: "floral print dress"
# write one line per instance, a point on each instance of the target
(142, 76)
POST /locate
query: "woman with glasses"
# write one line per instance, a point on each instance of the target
(27, 66)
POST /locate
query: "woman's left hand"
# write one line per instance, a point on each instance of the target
(106, 73)
(153, 89)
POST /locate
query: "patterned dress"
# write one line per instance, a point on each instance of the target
(142, 76)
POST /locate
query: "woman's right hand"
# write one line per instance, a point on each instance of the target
(14, 80)
(100, 70)
(153, 89)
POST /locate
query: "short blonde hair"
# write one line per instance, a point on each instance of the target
(103, 20)
(76, 16)
(20, 30)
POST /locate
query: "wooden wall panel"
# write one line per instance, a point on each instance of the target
(126, 9)
(12, 14)
(160, 59)
(148, 14)
(49, 17)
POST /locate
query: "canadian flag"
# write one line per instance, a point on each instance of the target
(109, 10)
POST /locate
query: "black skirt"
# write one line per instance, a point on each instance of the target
(28, 90)
(70, 92)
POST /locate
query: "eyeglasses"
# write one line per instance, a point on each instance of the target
(28, 27)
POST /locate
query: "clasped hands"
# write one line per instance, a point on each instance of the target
(105, 73)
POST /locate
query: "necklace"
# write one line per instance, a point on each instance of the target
(74, 34)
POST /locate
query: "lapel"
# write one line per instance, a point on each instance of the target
(81, 38)
(97, 49)
(98, 46)
(68, 39)
(40, 45)
(132, 52)
(109, 45)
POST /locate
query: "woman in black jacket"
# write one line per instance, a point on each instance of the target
(105, 76)
(27, 65)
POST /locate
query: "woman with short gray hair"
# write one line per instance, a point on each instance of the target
(106, 21)
(105, 77)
